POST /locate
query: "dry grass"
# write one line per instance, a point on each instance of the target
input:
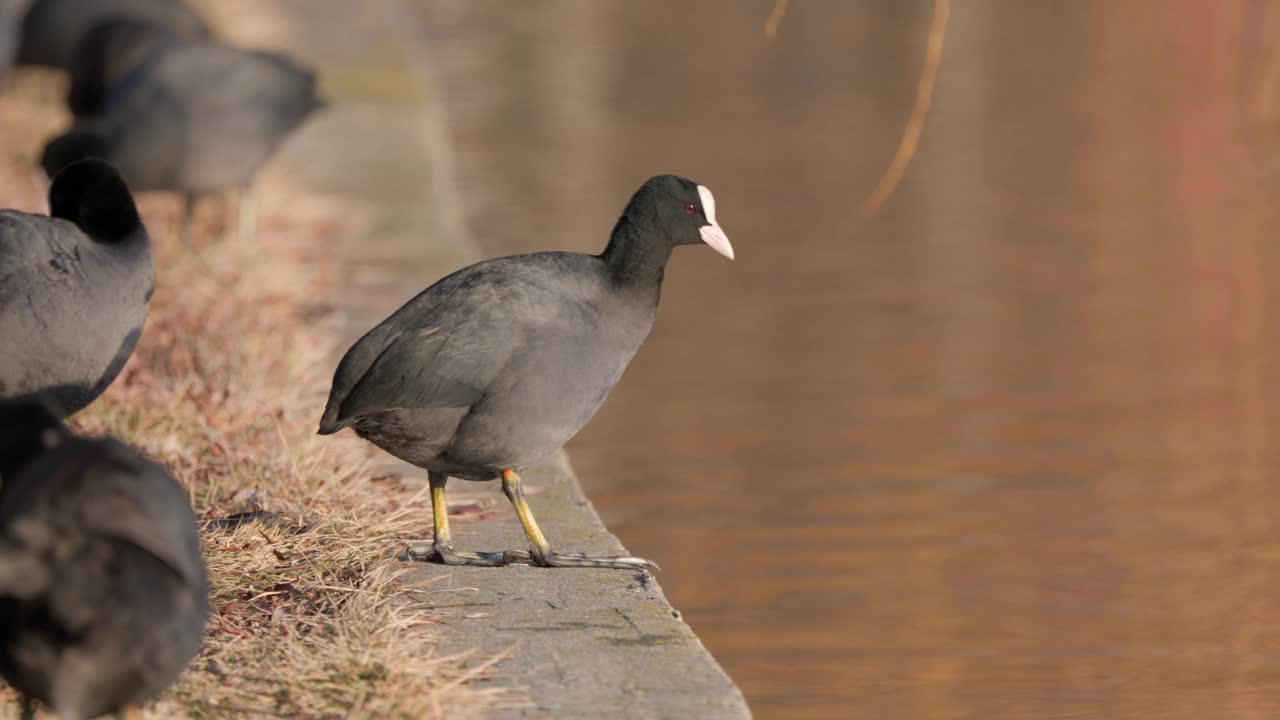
(226, 388)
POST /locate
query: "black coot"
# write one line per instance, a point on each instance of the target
(103, 592)
(193, 118)
(52, 29)
(497, 365)
(76, 289)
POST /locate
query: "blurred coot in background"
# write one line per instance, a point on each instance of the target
(192, 117)
(53, 29)
(103, 589)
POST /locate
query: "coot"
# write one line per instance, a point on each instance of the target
(75, 289)
(193, 118)
(498, 364)
(103, 591)
(52, 29)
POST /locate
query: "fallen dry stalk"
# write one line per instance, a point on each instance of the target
(774, 21)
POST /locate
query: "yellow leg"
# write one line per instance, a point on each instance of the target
(186, 224)
(542, 553)
(441, 545)
(248, 213)
(514, 489)
(440, 510)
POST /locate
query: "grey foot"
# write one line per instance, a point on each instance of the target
(579, 560)
(427, 552)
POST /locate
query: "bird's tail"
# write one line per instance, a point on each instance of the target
(330, 424)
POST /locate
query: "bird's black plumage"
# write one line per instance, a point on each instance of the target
(103, 590)
(493, 367)
(75, 289)
(53, 29)
(499, 364)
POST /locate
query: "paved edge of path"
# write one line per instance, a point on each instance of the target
(584, 642)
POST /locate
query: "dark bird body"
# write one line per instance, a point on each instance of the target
(53, 29)
(193, 118)
(499, 364)
(75, 289)
(103, 592)
(445, 382)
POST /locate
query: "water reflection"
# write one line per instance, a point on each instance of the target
(1002, 451)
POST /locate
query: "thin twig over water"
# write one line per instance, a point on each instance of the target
(775, 19)
(915, 124)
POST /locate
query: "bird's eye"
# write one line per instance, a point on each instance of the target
(689, 208)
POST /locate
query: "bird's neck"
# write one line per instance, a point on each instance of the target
(636, 256)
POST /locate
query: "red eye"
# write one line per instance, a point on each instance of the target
(689, 208)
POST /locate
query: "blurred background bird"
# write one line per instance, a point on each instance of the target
(103, 589)
(53, 29)
(152, 93)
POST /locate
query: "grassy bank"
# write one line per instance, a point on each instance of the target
(309, 617)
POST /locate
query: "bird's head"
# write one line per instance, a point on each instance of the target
(75, 144)
(91, 194)
(681, 207)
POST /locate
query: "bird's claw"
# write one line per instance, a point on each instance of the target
(427, 551)
(580, 560)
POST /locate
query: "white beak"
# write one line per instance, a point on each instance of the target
(712, 234)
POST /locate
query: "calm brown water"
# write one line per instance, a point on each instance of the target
(1008, 449)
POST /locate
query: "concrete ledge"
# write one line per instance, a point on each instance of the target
(584, 642)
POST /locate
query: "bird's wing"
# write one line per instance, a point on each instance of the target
(445, 347)
(422, 368)
(353, 366)
(411, 335)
